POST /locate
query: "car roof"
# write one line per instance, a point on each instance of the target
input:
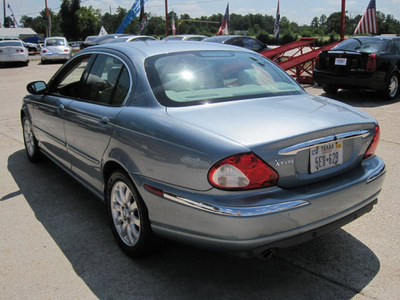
(221, 38)
(381, 37)
(152, 48)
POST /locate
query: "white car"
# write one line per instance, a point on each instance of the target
(13, 51)
(55, 49)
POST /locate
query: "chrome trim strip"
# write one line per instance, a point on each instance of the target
(378, 173)
(292, 150)
(238, 211)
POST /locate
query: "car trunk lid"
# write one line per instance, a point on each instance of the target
(285, 131)
(340, 61)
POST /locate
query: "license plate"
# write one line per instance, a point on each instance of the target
(340, 61)
(326, 156)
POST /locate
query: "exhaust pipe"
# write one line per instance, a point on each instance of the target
(265, 254)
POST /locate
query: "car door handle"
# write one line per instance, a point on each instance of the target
(105, 120)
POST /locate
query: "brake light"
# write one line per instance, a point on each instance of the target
(242, 172)
(374, 144)
(317, 62)
(66, 50)
(20, 50)
(371, 63)
(44, 50)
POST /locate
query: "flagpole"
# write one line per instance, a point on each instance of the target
(343, 18)
(4, 11)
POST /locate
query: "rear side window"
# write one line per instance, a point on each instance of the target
(107, 82)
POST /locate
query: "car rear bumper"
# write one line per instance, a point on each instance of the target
(13, 58)
(56, 56)
(263, 220)
(375, 81)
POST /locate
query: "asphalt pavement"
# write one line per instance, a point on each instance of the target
(55, 242)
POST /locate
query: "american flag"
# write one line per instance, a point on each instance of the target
(368, 21)
(224, 28)
(276, 26)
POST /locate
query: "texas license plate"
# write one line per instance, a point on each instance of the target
(326, 156)
(340, 61)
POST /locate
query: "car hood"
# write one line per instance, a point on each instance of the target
(265, 120)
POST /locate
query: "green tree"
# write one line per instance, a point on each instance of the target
(88, 21)
(70, 19)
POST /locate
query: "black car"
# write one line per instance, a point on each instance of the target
(363, 62)
(239, 40)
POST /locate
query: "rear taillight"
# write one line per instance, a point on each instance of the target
(66, 50)
(371, 63)
(242, 172)
(374, 144)
(20, 50)
(44, 50)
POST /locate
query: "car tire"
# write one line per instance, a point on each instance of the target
(128, 216)
(30, 142)
(392, 87)
(329, 89)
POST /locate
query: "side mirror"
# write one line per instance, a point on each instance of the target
(37, 87)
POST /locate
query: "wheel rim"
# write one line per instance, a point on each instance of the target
(29, 138)
(393, 86)
(125, 213)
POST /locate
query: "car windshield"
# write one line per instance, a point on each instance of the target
(191, 78)
(10, 43)
(55, 42)
(367, 45)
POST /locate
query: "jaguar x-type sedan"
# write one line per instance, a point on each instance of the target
(207, 144)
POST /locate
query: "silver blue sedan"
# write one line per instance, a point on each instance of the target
(208, 144)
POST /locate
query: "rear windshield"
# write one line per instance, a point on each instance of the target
(55, 42)
(10, 43)
(198, 77)
(367, 45)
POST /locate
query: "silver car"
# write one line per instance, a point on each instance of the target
(208, 144)
(13, 51)
(55, 49)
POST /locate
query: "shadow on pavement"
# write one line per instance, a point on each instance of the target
(357, 98)
(335, 266)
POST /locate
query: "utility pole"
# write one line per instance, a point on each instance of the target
(48, 21)
(166, 18)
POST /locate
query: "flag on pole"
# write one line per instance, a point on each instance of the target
(142, 19)
(173, 23)
(276, 26)
(224, 28)
(368, 23)
(132, 13)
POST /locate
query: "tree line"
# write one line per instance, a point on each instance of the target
(76, 22)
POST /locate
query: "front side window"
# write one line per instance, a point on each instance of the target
(105, 80)
(69, 83)
(198, 77)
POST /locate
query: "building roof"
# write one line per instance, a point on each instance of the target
(16, 32)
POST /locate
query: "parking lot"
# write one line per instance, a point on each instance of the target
(56, 242)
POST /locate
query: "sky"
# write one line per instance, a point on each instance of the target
(299, 11)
